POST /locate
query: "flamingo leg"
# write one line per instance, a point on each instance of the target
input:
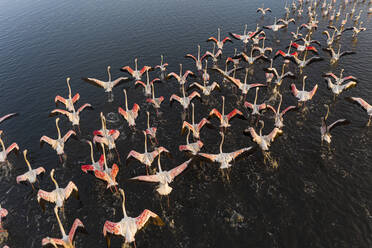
(60, 159)
(369, 121)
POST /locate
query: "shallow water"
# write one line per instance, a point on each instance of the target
(319, 196)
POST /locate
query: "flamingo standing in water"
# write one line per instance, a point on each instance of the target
(198, 60)
(129, 115)
(194, 127)
(128, 226)
(155, 101)
(108, 174)
(67, 241)
(59, 143)
(96, 165)
(106, 85)
(325, 130)
(181, 79)
(367, 107)
(151, 131)
(264, 141)
(194, 148)
(164, 178)
(69, 102)
(136, 74)
(224, 119)
(106, 136)
(223, 158)
(185, 100)
(279, 115)
(4, 153)
(31, 174)
(74, 116)
(146, 158)
(147, 86)
(57, 196)
(218, 41)
(3, 214)
(256, 108)
(303, 95)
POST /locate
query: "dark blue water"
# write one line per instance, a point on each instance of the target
(319, 196)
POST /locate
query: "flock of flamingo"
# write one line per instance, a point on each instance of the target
(300, 47)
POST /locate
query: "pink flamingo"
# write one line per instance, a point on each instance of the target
(264, 141)
(194, 148)
(303, 95)
(185, 100)
(198, 60)
(69, 102)
(67, 241)
(325, 129)
(163, 66)
(244, 87)
(148, 84)
(3, 214)
(194, 127)
(96, 165)
(57, 196)
(256, 108)
(106, 85)
(4, 153)
(279, 115)
(129, 115)
(181, 78)
(151, 131)
(31, 174)
(218, 41)
(128, 226)
(74, 116)
(155, 101)
(136, 74)
(106, 136)
(367, 107)
(224, 119)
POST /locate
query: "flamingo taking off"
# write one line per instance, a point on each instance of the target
(263, 10)
(106, 136)
(279, 115)
(108, 174)
(129, 115)
(256, 108)
(106, 85)
(264, 141)
(151, 131)
(303, 95)
(67, 241)
(218, 41)
(275, 27)
(59, 143)
(128, 226)
(164, 178)
(69, 102)
(198, 60)
(184, 100)
(338, 87)
(194, 148)
(147, 86)
(335, 57)
(181, 78)
(74, 116)
(194, 127)
(95, 165)
(163, 66)
(136, 74)
(367, 107)
(325, 130)
(155, 101)
(224, 119)
(279, 78)
(223, 158)
(4, 153)
(31, 174)
(57, 196)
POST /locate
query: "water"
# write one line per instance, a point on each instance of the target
(318, 196)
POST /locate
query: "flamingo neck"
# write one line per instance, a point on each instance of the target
(91, 152)
(123, 203)
(255, 98)
(187, 136)
(214, 47)
(159, 166)
(161, 60)
(145, 143)
(341, 73)
(246, 76)
(59, 132)
(198, 52)
(326, 117)
(59, 223)
(2, 145)
(245, 29)
(135, 64)
(54, 180)
(280, 102)
(283, 69)
(219, 34)
(28, 163)
(148, 79)
(222, 140)
(193, 114)
(148, 120)
(303, 84)
(153, 93)
(69, 88)
(223, 106)
(126, 100)
(109, 74)
(262, 126)
(180, 70)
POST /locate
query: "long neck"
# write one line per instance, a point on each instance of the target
(135, 62)
(91, 151)
(59, 223)
(123, 203)
(341, 73)
(245, 29)
(325, 118)
(219, 34)
(145, 143)
(104, 157)
(303, 83)
(214, 47)
(283, 69)
(246, 76)
(28, 163)
(153, 93)
(126, 100)
(187, 136)
(148, 119)
(262, 126)
(263, 43)
(280, 102)
(54, 181)
(198, 52)
(304, 59)
(109, 74)
(223, 106)
(148, 79)
(69, 88)
(161, 60)
(183, 90)
(193, 114)
(180, 70)
(59, 132)
(222, 139)
(2, 145)
(159, 166)
(255, 98)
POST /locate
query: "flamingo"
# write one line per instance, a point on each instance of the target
(74, 116)
(339, 32)
(325, 130)
(303, 95)
(223, 158)
(246, 36)
(235, 60)
(279, 115)
(59, 143)
(163, 66)
(155, 101)
(279, 78)
(8, 116)
(31, 174)
(330, 39)
(198, 60)
(182, 77)
(268, 74)
(296, 35)
(69, 102)
(250, 59)
(136, 74)
(194, 127)
(367, 107)
(128, 226)
(335, 57)
(96, 165)
(256, 108)
(287, 55)
(263, 10)
(275, 27)
(151, 131)
(106, 85)
(205, 76)
(264, 141)
(287, 21)
(262, 50)
(357, 30)
(129, 115)
(147, 85)
(259, 35)
(146, 158)
(213, 55)
(106, 136)
(185, 100)
(67, 241)
(206, 89)
(108, 174)
(302, 48)
(57, 196)
(341, 78)
(224, 119)
(218, 41)
(244, 87)
(3, 214)
(194, 148)
(338, 87)
(4, 153)
(308, 41)
(302, 63)
(164, 178)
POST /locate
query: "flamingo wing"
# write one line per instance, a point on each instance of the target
(144, 69)
(234, 113)
(39, 170)
(274, 134)
(135, 108)
(60, 111)
(172, 74)
(52, 241)
(71, 187)
(287, 109)
(114, 171)
(362, 103)
(76, 98)
(211, 157)
(294, 90)
(212, 39)
(111, 227)
(350, 84)
(216, 113)
(226, 39)
(12, 147)
(60, 99)
(239, 152)
(145, 216)
(175, 97)
(68, 135)
(202, 123)
(123, 112)
(118, 80)
(22, 178)
(191, 56)
(77, 223)
(136, 155)
(338, 123)
(177, 170)
(95, 82)
(236, 36)
(87, 105)
(194, 94)
(48, 140)
(128, 69)
(149, 178)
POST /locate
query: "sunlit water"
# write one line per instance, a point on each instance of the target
(319, 196)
